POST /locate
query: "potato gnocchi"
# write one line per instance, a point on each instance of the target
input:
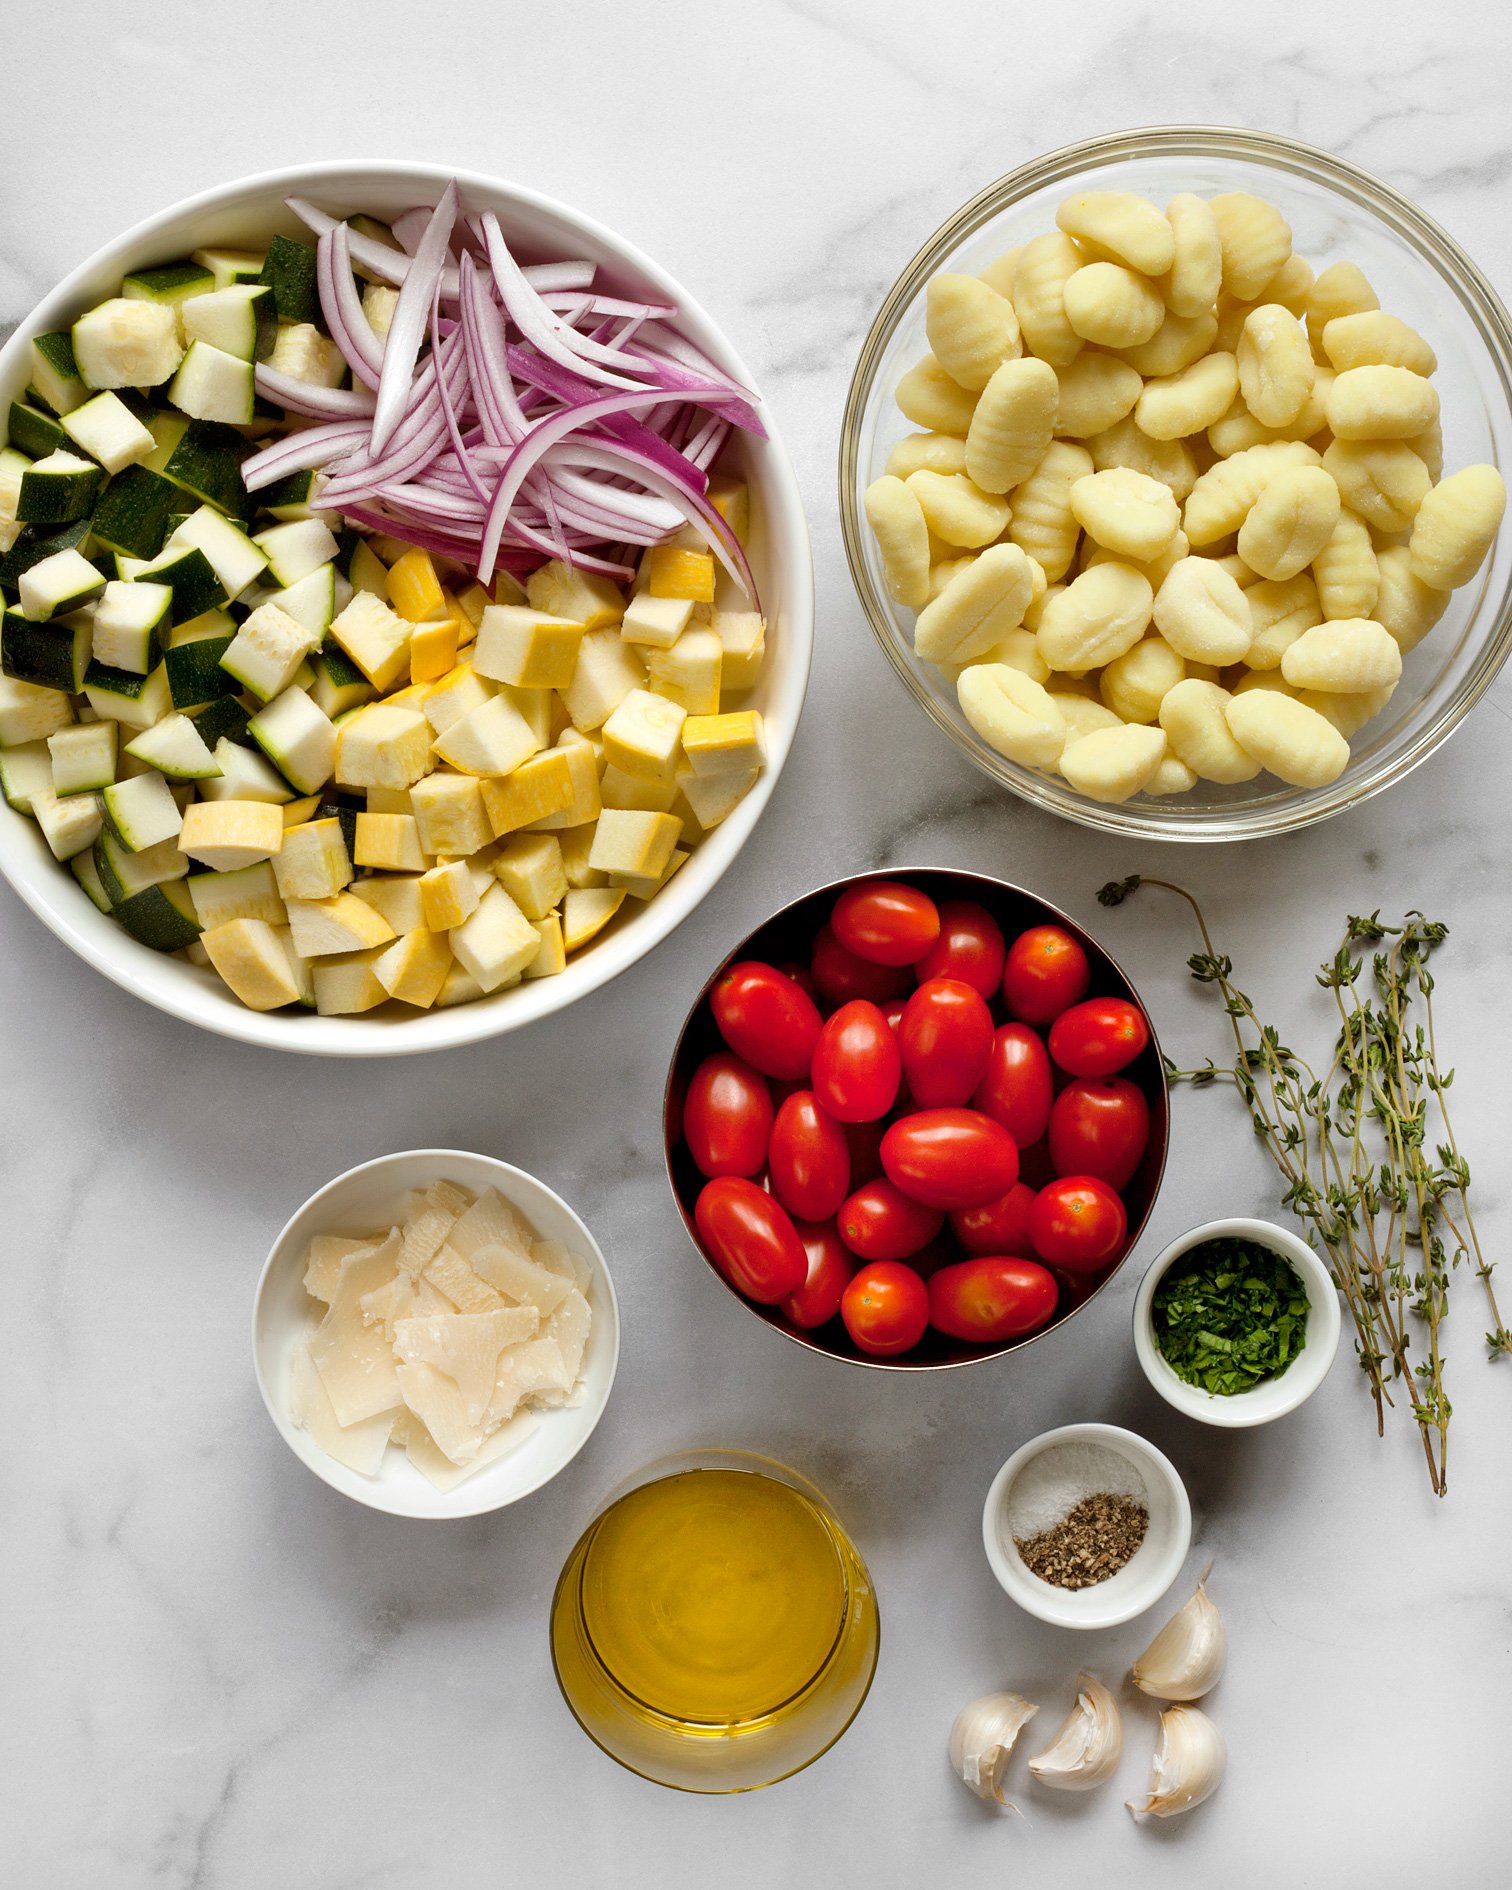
(1176, 510)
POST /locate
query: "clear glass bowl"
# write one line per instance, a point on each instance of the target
(1336, 212)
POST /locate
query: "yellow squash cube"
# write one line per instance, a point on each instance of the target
(323, 927)
(225, 835)
(383, 746)
(586, 911)
(656, 621)
(582, 767)
(348, 983)
(552, 957)
(450, 815)
(639, 844)
(458, 693)
(733, 743)
(529, 868)
(673, 571)
(413, 969)
(742, 642)
(396, 896)
(731, 499)
(643, 737)
(252, 963)
(560, 591)
(497, 942)
(414, 589)
(576, 844)
(375, 637)
(388, 800)
(448, 896)
(618, 789)
(389, 843)
(433, 649)
(493, 739)
(537, 789)
(526, 648)
(312, 863)
(646, 886)
(712, 798)
(607, 670)
(690, 672)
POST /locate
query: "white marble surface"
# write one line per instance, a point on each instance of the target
(217, 1673)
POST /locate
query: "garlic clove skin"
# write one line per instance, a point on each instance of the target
(1086, 1750)
(1185, 1659)
(1189, 1764)
(981, 1741)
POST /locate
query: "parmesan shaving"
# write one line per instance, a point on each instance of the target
(323, 1265)
(514, 1277)
(451, 1275)
(359, 1446)
(355, 1361)
(466, 1346)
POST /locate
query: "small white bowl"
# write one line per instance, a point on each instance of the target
(282, 1316)
(1272, 1397)
(1142, 1580)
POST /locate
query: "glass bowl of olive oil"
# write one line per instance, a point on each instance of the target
(715, 1629)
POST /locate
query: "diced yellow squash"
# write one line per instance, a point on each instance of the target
(643, 737)
(576, 844)
(450, 814)
(673, 571)
(322, 927)
(607, 670)
(413, 969)
(586, 911)
(493, 739)
(460, 987)
(742, 641)
(646, 886)
(583, 769)
(732, 743)
(312, 862)
(301, 970)
(458, 692)
(731, 499)
(414, 589)
(469, 604)
(580, 596)
(448, 896)
(656, 621)
(383, 746)
(497, 942)
(552, 957)
(618, 789)
(251, 963)
(527, 648)
(389, 843)
(396, 896)
(433, 649)
(535, 705)
(529, 868)
(349, 983)
(712, 798)
(689, 673)
(388, 800)
(224, 835)
(375, 637)
(296, 813)
(626, 841)
(538, 788)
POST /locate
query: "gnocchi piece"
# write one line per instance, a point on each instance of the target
(1344, 657)
(1020, 650)
(1173, 776)
(1429, 447)
(1096, 391)
(1289, 524)
(1345, 570)
(1275, 365)
(1383, 481)
(977, 608)
(1371, 338)
(957, 510)
(1286, 736)
(1135, 684)
(1380, 403)
(1349, 714)
(1196, 273)
(1178, 405)
(1341, 289)
(1271, 679)
(999, 273)
(1113, 764)
(1455, 525)
(1254, 239)
(1290, 285)
(1043, 523)
(1013, 425)
(942, 570)
(1406, 606)
(1155, 569)
(1012, 713)
(1221, 499)
(930, 398)
(1112, 306)
(1280, 612)
(1176, 344)
(1169, 461)
(1128, 512)
(1194, 717)
(1121, 227)
(1038, 602)
(972, 329)
(1096, 618)
(1044, 268)
(894, 514)
(1239, 429)
(927, 452)
(1082, 714)
(1203, 614)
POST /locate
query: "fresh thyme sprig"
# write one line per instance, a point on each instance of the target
(1386, 1200)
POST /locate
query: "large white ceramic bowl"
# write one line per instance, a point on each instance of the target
(284, 1315)
(244, 214)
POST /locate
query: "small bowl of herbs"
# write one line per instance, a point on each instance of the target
(1236, 1323)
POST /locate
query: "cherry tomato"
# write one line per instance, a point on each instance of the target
(864, 1140)
(857, 1067)
(970, 947)
(809, 1159)
(893, 1010)
(1045, 973)
(1099, 1126)
(1098, 1037)
(800, 976)
(992, 1298)
(727, 1118)
(880, 1223)
(1078, 1223)
(839, 975)
(999, 1226)
(817, 1301)
(950, 1158)
(767, 1019)
(886, 922)
(751, 1239)
(1019, 1085)
(885, 1308)
(946, 1039)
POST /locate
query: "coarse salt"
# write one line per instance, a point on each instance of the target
(1051, 1484)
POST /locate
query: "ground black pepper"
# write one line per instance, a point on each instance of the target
(1087, 1546)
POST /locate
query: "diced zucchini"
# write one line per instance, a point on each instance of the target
(107, 428)
(132, 514)
(224, 720)
(142, 812)
(83, 757)
(87, 873)
(22, 771)
(206, 459)
(213, 385)
(267, 650)
(59, 585)
(234, 557)
(53, 655)
(291, 497)
(32, 546)
(13, 468)
(176, 748)
(30, 714)
(127, 343)
(304, 354)
(55, 373)
(339, 684)
(244, 775)
(189, 574)
(130, 622)
(294, 551)
(238, 320)
(34, 433)
(162, 916)
(195, 676)
(170, 285)
(298, 738)
(366, 571)
(312, 601)
(228, 266)
(123, 873)
(250, 892)
(57, 489)
(117, 695)
(69, 824)
(289, 271)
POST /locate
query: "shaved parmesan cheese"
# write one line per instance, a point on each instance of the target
(445, 1474)
(521, 1280)
(466, 1346)
(556, 1258)
(491, 1222)
(451, 1274)
(424, 1237)
(355, 1360)
(385, 1304)
(436, 1401)
(359, 1446)
(323, 1262)
(450, 1195)
(569, 1326)
(525, 1370)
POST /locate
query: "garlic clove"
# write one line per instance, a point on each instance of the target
(1185, 1659)
(1189, 1764)
(1086, 1750)
(981, 1741)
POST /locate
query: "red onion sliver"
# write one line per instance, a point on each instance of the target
(531, 316)
(401, 349)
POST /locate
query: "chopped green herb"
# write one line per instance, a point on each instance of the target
(1229, 1314)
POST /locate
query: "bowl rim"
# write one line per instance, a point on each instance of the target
(1272, 1398)
(1070, 1607)
(805, 1337)
(45, 886)
(317, 1463)
(1280, 153)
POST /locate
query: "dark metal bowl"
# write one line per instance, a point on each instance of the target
(787, 936)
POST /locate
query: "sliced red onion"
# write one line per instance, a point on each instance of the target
(695, 509)
(532, 317)
(302, 397)
(401, 348)
(350, 328)
(297, 452)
